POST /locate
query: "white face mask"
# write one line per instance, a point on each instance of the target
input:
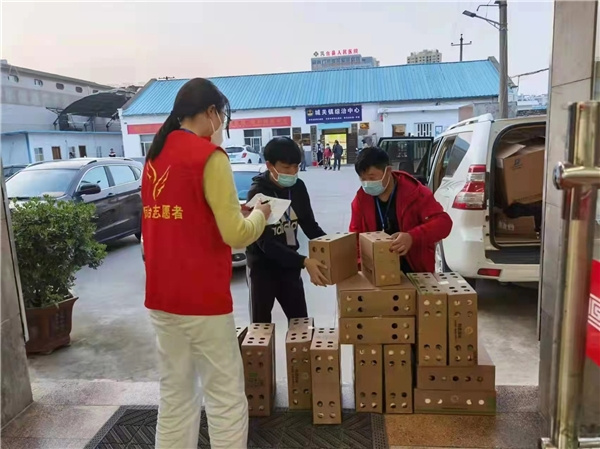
(217, 135)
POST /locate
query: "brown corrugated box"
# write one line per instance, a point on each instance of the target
(338, 252)
(520, 170)
(357, 297)
(368, 378)
(326, 377)
(515, 227)
(398, 375)
(377, 330)
(258, 354)
(462, 319)
(378, 264)
(481, 377)
(432, 320)
(297, 349)
(455, 402)
(241, 334)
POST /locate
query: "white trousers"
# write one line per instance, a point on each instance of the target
(199, 355)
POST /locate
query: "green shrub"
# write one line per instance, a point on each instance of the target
(53, 239)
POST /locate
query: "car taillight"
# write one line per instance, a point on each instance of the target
(244, 155)
(472, 195)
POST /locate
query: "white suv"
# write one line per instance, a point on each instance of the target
(460, 169)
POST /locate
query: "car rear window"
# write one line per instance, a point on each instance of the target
(35, 183)
(231, 150)
(243, 181)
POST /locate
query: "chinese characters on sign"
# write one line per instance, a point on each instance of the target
(352, 51)
(266, 122)
(164, 212)
(335, 114)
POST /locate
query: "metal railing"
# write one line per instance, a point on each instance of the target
(579, 178)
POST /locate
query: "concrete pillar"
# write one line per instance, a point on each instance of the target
(571, 79)
(16, 388)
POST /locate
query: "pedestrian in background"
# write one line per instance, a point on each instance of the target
(319, 155)
(337, 155)
(303, 154)
(327, 158)
(188, 185)
(112, 153)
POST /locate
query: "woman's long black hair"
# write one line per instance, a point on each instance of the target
(194, 97)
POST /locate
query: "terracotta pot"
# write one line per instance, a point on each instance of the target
(49, 327)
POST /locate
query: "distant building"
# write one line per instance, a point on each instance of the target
(425, 57)
(341, 59)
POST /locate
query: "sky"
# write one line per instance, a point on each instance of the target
(121, 42)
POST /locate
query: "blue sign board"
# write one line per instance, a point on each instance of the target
(334, 114)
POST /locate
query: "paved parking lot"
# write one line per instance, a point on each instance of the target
(112, 338)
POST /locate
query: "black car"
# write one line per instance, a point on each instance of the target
(113, 185)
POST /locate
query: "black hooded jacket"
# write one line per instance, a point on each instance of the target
(271, 249)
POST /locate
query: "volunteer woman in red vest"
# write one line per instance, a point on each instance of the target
(192, 218)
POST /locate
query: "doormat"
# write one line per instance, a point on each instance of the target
(133, 427)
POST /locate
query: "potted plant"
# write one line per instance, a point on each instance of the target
(53, 240)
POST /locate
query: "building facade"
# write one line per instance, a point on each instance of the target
(348, 104)
(31, 100)
(425, 57)
(341, 59)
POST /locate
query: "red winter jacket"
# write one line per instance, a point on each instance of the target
(418, 213)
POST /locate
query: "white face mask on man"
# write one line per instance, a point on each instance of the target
(217, 135)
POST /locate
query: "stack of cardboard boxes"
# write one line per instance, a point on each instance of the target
(415, 341)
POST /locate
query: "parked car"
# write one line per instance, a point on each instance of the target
(460, 168)
(112, 184)
(10, 170)
(242, 176)
(244, 154)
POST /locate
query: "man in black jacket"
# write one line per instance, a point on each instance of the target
(273, 261)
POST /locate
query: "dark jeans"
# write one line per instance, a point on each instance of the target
(285, 285)
(337, 161)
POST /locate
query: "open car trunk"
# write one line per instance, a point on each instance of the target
(516, 188)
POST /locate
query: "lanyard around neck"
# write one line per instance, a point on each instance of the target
(387, 209)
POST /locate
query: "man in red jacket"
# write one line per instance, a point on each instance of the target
(395, 202)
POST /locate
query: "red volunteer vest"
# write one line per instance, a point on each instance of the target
(188, 265)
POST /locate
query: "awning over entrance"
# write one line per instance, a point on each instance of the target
(324, 126)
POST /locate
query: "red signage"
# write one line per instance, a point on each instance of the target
(150, 128)
(593, 336)
(266, 122)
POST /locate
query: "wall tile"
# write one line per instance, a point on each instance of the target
(573, 41)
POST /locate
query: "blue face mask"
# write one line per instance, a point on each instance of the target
(286, 180)
(374, 188)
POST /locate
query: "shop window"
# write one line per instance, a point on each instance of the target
(13, 78)
(253, 138)
(78, 89)
(424, 129)
(281, 132)
(37, 82)
(82, 151)
(60, 86)
(398, 130)
(38, 154)
(145, 142)
(306, 139)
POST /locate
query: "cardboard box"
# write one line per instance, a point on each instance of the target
(357, 297)
(455, 402)
(398, 378)
(338, 252)
(481, 377)
(432, 320)
(297, 348)
(379, 265)
(368, 378)
(462, 319)
(377, 330)
(515, 227)
(258, 355)
(241, 334)
(326, 377)
(520, 172)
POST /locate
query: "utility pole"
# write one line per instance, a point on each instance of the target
(503, 94)
(461, 45)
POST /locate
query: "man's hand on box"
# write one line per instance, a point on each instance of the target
(402, 243)
(314, 267)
